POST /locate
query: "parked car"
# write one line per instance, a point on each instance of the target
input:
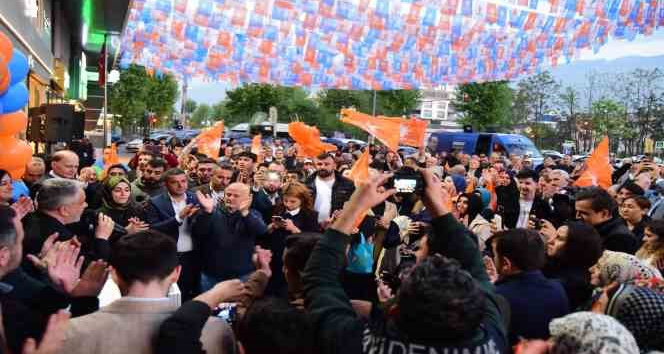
(134, 145)
(117, 139)
(552, 153)
(407, 150)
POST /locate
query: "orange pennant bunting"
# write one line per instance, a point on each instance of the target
(598, 169)
(209, 140)
(308, 140)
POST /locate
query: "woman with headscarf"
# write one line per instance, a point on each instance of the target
(119, 206)
(639, 309)
(583, 333)
(571, 251)
(621, 268)
(469, 207)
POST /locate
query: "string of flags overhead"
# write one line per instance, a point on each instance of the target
(373, 44)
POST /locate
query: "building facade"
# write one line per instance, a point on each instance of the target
(436, 106)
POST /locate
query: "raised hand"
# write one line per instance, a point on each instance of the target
(384, 292)
(365, 197)
(53, 338)
(47, 253)
(23, 206)
(66, 269)
(491, 270)
(136, 225)
(435, 198)
(188, 211)
(92, 281)
(104, 227)
(290, 226)
(206, 202)
(245, 205)
(262, 259)
(222, 292)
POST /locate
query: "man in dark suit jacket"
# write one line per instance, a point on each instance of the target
(171, 213)
(595, 206)
(518, 256)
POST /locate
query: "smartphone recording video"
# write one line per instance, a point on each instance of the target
(405, 185)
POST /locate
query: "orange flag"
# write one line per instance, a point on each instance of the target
(413, 131)
(112, 157)
(209, 140)
(598, 169)
(308, 140)
(256, 145)
(386, 130)
(360, 173)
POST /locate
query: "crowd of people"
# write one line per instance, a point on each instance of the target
(274, 252)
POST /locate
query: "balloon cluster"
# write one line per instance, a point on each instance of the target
(13, 97)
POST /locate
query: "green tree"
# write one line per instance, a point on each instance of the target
(190, 106)
(397, 102)
(137, 93)
(539, 93)
(570, 102)
(162, 93)
(291, 102)
(608, 118)
(484, 105)
(202, 116)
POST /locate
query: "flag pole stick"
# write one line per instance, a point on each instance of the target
(105, 94)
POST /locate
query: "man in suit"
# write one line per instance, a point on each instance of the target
(144, 266)
(529, 203)
(171, 213)
(595, 207)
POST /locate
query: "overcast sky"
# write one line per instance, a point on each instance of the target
(213, 92)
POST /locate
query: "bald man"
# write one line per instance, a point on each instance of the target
(227, 236)
(64, 164)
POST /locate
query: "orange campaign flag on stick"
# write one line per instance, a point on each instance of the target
(598, 169)
(413, 132)
(386, 130)
(256, 147)
(209, 140)
(308, 140)
(359, 173)
(256, 144)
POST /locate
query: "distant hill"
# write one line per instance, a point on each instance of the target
(574, 74)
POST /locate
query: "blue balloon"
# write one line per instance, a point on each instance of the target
(14, 99)
(18, 67)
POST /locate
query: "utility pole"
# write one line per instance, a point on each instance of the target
(183, 105)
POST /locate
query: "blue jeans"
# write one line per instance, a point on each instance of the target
(208, 281)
